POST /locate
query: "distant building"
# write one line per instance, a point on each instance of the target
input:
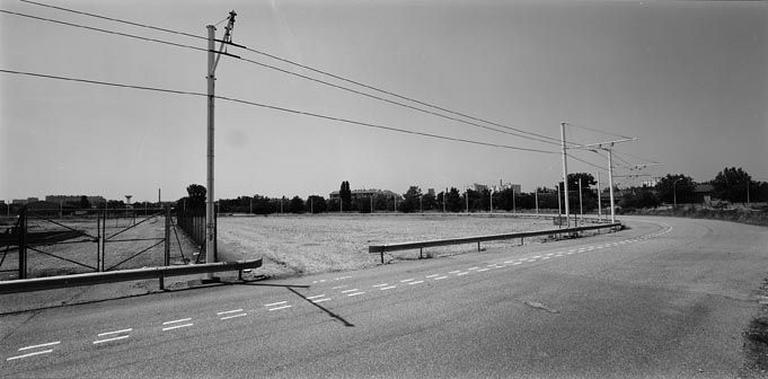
(19, 201)
(74, 200)
(703, 193)
(652, 182)
(431, 192)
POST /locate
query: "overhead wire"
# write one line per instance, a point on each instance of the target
(276, 108)
(598, 130)
(537, 137)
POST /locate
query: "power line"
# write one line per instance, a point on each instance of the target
(598, 130)
(276, 108)
(326, 73)
(148, 39)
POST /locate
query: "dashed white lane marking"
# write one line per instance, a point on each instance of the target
(416, 282)
(431, 276)
(110, 339)
(462, 273)
(440, 277)
(338, 287)
(473, 268)
(379, 285)
(177, 321)
(510, 262)
(40, 345)
(387, 288)
(545, 258)
(550, 254)
(406, 280)
(228, 312)
(115, 332)
(177, 327)
(321, 300)
(483, 269)
(234, 316)
(29, 354)
(454, 272)
(279, 308)
(342, 278)
(517, 263)
(355, 293)
(275, 304)
(315, 297)
(536, 257)
(352, 290)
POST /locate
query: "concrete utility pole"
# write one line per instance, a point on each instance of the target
(565, 173)
(213, 60)
(599, 210)
(581, 208)
(559, 205)
(466, 199)
(536, 197)
(445, 193)
(610, 183)
(491, 207)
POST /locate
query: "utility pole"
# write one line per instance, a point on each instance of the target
(610, 183)
(213, 60)
(565, 173)
(311, 205)
(444, 194)
(466, 199)
(599, 210)
(159, 202)
(421, 206)
(491, 207)
(250, 206)
(559, 206)
(581, 208)
(536, 197)
(514, 210)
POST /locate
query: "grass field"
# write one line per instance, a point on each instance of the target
(292, 245)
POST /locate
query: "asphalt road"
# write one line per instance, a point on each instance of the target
(668, 297)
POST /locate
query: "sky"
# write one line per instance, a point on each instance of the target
(688, 79)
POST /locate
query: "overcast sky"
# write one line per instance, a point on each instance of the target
(688, 79)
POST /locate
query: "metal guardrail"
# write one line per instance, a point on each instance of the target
(91, 278)
(477, 239)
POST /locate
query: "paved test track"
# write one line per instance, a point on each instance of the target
(668, 297)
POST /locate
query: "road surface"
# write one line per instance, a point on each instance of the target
(668, 297)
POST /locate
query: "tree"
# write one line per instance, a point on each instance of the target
(675, 186)
(196, 194)
(84, 203)
(454, 201)
(316, 204)
(639, 197)
(345, 194)
(411, 200)
(731, 184)
(296, 205)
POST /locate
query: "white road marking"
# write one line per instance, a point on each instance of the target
(177, 321)
(473, 268)
(462, 273)
(110, 339)
(483, 269)
(379, 285)
(40, 345)
(536, 257)
(114, 332)
(454, 272)
(321, 300)
(338, 287)
(416, 282)
(406, 280)
(517, 263)
(177, 327)
(321, 281)
(228, 312)
(440, 277)
(315, 297)
(355, 293)
(274, 304)
(510, 262)
(550, 254)
(233, 316)
(431, 276)
(352, 290)
(342, 278)
(387, 288)
(545, 258)
(29, 354)
(278, 308)
(559, 255)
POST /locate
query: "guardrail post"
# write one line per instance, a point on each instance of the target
(23, 243)
(478, 246)
(420, 251)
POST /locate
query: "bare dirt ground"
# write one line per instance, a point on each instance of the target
(296, 245)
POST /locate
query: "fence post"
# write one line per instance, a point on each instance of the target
(23, 243)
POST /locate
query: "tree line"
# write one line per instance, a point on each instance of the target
(731, 184)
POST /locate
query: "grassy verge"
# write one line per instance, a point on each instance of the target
(742, 215)
(756, 341)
